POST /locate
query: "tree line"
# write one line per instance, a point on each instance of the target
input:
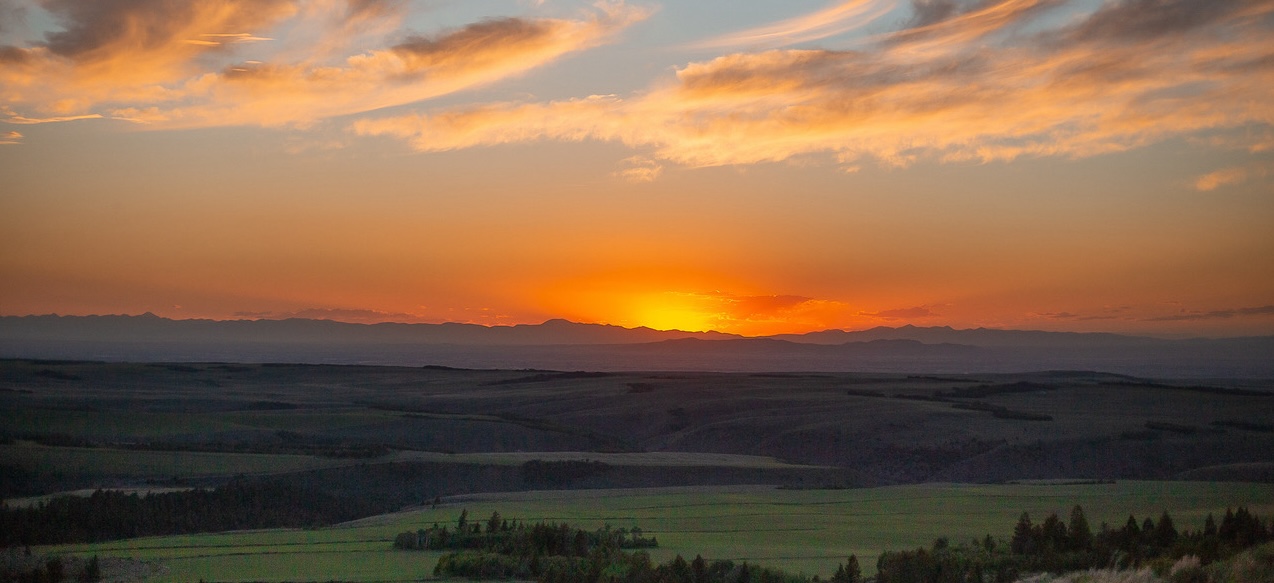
(497, 535)
(239, 504)
(495, 548)
(1057, 546)
(558, 553)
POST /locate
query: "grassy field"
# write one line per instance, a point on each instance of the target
(151, 424)
(806, 531)
(140, 463)
(887, 428)
(654, 458)
(452, 431)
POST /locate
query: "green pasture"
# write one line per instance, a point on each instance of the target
(808, 531)
(159, 425)
(655, 458)
(140, 463)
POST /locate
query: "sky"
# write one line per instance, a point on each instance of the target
(745, 166)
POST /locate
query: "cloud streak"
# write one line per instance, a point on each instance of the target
(901, 313)
(147, 60)
(994, 83)
(358, 316)
(1186, 316)
(1229, 176)
(833, 20)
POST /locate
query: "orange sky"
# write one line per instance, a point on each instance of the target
(1044, 164)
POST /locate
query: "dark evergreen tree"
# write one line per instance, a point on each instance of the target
(1023, 536)
(1079, 535)
(853, 573)
(699, 569)
(1131, 527)
(1053, 534)
(1165, 532)
(1228, 529)
(680, 570)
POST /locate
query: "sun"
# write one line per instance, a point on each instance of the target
(674, 311)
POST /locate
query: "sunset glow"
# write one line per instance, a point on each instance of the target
(754, 168)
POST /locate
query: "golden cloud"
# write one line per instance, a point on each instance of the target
(1228, 176)
(995, 82)
(833, 20)
(146, 60)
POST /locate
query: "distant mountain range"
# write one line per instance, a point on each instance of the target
(564, 345)
(149, 327)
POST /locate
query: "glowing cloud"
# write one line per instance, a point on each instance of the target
(1005, 84)
(640, 169)
(1229, 176)
(912, 313)
(833, 20)
(146, 60)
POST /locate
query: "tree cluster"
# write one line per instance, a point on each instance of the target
(1057, 546)
(110, 515)
(607, 565)
(496, 535)
(495, 548)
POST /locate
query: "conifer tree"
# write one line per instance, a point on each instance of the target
(1165, 532)
(1023, 536)
(699, 567)
(853, 573)
(1079, 534)
(1053, 533)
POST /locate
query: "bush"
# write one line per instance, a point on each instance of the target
(1187, 569)
(1253, 566)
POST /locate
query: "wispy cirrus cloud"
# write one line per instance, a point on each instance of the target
(357, 316)
(912, 313)
(638, 169)
(1192, 315)
(180, 64)
(982, 82)
(1229, 176)
(1116, 313)
(838, 18)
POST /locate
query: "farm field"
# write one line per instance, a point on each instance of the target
(876, 429)
(120, 463)
(795, 471)
(806, 531)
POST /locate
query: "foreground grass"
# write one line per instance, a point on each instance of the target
(808, 531)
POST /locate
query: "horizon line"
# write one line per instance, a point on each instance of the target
(622, 327)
